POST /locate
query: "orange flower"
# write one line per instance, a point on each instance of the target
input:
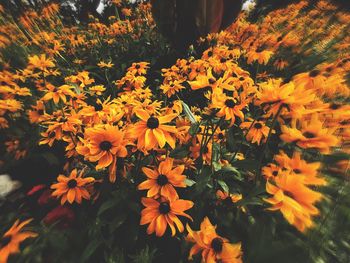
(9, 243)
(163, 180)
(103, 144)
(229, 107)
(103, 64)
(214, 247)
(260, 55)
(57, 94)
(274, 94)
(171, 88)
(151, 132)
(42, 63)
(294, 199)
(300, 167)
(234, 198)
(72, 188)
(139, 68)
(311, 135)
(160, 214)
(257, 131)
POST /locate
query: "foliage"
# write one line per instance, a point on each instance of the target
(238, 151)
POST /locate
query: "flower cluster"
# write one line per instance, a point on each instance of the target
(229, 133)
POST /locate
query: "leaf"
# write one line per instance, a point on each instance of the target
(117, 222)
(107, 205)
(189, 182)
(179, 153)
(224, 186)
(90, 249)
(194, 129)
(188, 112)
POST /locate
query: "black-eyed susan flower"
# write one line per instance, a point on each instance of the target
(163, 213)
(162, 180)
(72, 188)
(294, 199)
(257, 131)
(151, 131)
(213, 247)
(10, 241)
(301, 168)
(103, 144)
(312, 134)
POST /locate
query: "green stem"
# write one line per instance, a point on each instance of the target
(258, 177)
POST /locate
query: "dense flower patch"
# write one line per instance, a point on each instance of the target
(236, 152)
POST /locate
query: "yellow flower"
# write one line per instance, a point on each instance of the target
(294, 199)
(42, 63)
(151, 131)
(103, 64)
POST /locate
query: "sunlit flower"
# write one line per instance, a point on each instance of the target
(72, 188)
(163, 213)
(103, 144)
(151, 131)
(214, 248)
(162, 180)
(294, 199)
(257, 131)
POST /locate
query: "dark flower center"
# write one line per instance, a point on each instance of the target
(72, 183)
(260, 49)
(230, 103)
(162, 180)
(223, 60)
(5, 241)
(210, 53)
(164, 208)
(335, 106)
(216, 244)
(241, 78)
(137, 66)
(98, 107)
(152, 123)
(314, 73)
(52, 134)
(275, 173)
(105, 145)
(297, 171)
(211, 81)
(258, 125)
(309, 135)
(221, 136)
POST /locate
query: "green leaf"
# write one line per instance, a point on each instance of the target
(188, 112)
(179, 153)
(194, 129)
(107, 205)
(224, 186)
(90, 249)
(189, 182)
